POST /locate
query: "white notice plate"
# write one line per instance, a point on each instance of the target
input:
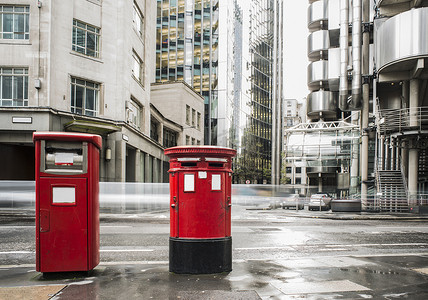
(62, 195)
(216, 182)
(64, 158)
(189, 182)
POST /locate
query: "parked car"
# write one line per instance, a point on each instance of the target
(319, 201)
(293, 201)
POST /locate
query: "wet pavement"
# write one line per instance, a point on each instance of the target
(276, 255)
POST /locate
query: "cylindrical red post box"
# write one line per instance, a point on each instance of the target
(200, 190)
(67, 205)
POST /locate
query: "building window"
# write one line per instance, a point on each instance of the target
(133, 114)
(138, 20)
(169, 138)
(198, 142)
(298, 180)
(154, 130)
(198, 121)
(14, 87)
(187, 114)
(193, 117)
(15, 22)
(193, 141)
(86, 39)
(288, 170)
(84, 97)
(187, 140)
(298, 170)
(137, 68)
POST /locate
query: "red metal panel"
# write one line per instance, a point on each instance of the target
(174, 202)
(93, 207)
(202, 213)
(64, 247)
(68, 136)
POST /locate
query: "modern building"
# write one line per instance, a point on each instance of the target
(82, 66)
(230, 53)
(401, 105)
(368, 100)
(339, 77)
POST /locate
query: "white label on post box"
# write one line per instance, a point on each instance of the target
(63, 158)
(216, 182)
(189, 182)
(202, 175)
(63, 195)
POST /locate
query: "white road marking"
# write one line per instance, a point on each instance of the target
(126, 250)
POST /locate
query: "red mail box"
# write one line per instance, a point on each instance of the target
(200, 200)
(67, 206)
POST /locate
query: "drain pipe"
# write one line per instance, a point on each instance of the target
(356, 54)
(344, 44)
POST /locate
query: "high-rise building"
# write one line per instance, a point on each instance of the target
(231, 53)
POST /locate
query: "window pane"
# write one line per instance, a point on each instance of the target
(18, 87)
(91, 44)
(80, 91)
(73, 87)
(19, 23)
(27, 23)
(6, 87)
(90, 99)
(25, 87)
(7, 22)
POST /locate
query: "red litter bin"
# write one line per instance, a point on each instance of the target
(200, 199)
(67, 206)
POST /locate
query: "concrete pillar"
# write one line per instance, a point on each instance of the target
(387, 155)
(147, 169)
(110, 165)
(138, 167)
(414, 102)
(413, 175)
(393, 154)
(319, 183)
(365, 105)
(120, 160)
(405, 94)
(404, 158)
(382, 152)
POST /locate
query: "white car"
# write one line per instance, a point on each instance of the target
(319, 201)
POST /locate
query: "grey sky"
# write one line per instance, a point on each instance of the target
(295, 49)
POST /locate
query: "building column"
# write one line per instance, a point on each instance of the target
(382, 153)
(110, 165)
(404, 159)
(413, 151)
(138, 169)
(387, 154)
(366, 102)
(147, 169)
(393, 154)
(120, 160)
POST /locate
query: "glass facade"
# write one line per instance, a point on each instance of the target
(225, 51)
(187, 47)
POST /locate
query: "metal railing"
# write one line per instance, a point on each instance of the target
(400, 120)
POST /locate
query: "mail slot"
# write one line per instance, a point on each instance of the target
(200, 209)
(67, 205)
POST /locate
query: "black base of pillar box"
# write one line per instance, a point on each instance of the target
(200, 256)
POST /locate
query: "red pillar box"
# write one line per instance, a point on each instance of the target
(200, 190)
(67, 207)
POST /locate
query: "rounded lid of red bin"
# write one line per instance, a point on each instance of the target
(68, 136)
(179, 151)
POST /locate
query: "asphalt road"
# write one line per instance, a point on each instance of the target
(276, 255)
